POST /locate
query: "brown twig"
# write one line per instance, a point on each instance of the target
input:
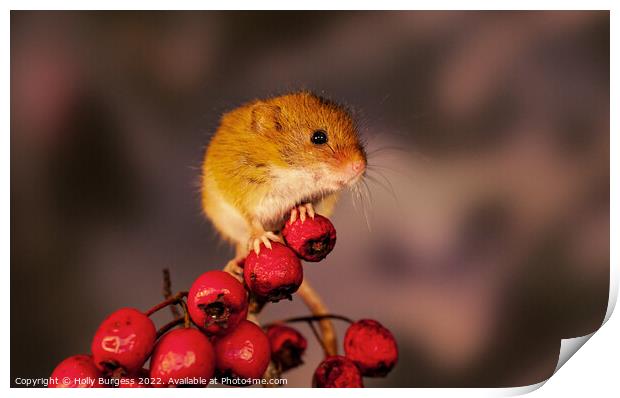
(317, 308)
(312, 318)
(167, 293)
(169, 326)
(172, 300)
(186, 320)
(317, 335)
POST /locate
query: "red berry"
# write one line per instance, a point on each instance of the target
(337, 371)
(217, 302)
(274, 274)
(287, 346)
(77, 371)
(124, 339)
(244, 352)
(371, 346)
(312, 239)
(182, 353)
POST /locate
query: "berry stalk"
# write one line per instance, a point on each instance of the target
(175, 322)
(167, 292)
(172, 300)
(313, 318)
(318, 308)
(317, 336)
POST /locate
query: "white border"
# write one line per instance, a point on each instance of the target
(594, 371)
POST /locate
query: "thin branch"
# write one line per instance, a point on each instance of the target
(169, 325)
(316, 306)
(172, 300)
(311, 318)
(318, 338)
(167, 293)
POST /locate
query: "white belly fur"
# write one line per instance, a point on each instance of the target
(291, 188)
(227, 220)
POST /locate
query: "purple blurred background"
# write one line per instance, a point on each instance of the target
(492, 129)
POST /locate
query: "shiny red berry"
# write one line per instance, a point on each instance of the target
(274, 274)
(182, 353)
(371, 346)
(312, 239)
(217, 302)
(243, 353)
(287, 346)
(77, 371)
(123, 340)
(337, 372)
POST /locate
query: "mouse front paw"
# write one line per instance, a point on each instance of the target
(302, 211)
(264, 237)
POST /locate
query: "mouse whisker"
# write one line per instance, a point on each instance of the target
(384, 149)
(376, 167)
(368, 192)
(387, 186)
(356, 199)
(353, 198)
(398, 152)
(365, 201)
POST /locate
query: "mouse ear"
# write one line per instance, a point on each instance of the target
(266, 118)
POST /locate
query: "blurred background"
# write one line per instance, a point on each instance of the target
(488, 133)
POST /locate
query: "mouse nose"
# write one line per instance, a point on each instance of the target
(358, 166)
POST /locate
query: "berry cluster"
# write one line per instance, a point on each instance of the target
(370, 351)
(216, 337)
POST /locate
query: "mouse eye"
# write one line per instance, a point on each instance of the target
(319, 137)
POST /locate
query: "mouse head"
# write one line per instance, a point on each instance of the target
(315, 137)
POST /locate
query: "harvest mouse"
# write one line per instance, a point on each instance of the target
(281, 157)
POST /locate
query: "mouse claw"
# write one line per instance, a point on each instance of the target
(266, 242)
(273, 237)
(302, 211)
(293, 215)
(256, 244)
(265, 238)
